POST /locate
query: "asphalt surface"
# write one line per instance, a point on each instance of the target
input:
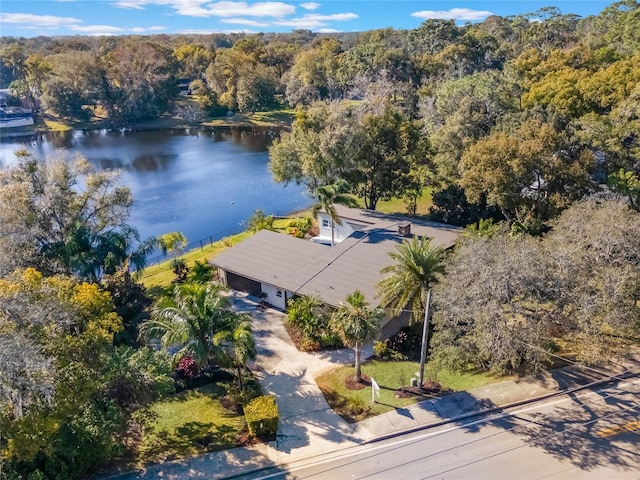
(586, 435)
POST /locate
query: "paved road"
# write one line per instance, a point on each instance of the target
(593, 435)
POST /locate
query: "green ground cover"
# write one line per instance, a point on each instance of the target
(356, 405)
(158, 277)
(398, 205)
(189, 423)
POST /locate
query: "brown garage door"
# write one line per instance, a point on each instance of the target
(244, 284)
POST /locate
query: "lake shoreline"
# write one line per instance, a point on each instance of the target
(52, 125)
(202, 181)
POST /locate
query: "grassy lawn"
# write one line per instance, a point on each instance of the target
(397, 205)
(389, 376)
(157, 278)
(189, 423)
(271, 118)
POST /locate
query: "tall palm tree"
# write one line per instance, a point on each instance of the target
(243, 347)
(418, 265)
(328, 196)
(197, 321)
(355, 323)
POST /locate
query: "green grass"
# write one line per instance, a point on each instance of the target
(57, 126)
(398, 206)
(189, 423)
(390, 376)
(274, 117)
(158, 277)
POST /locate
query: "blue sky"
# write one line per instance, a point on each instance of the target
(28, 18)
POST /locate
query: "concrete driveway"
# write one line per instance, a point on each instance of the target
(308, 426)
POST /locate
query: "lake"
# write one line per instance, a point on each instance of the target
(201, 182)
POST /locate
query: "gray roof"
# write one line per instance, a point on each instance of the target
(274, 258)
(331, 273)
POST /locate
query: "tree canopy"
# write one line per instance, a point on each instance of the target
(508, 300)
(62, 217)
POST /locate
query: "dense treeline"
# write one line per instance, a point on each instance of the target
(566, 86)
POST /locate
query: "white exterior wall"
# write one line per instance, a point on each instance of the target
(278, 301)
(17, 122)
(340, 231)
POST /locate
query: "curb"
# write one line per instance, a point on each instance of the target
(611, 379)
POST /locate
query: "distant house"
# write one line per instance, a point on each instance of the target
(15, 117)
(279, 267)
(5, 93)
(184, 86)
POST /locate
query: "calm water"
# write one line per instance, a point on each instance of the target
(199, 182)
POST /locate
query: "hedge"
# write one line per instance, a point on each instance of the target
(262, 416)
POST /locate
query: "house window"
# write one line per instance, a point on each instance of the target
(279, 293)
(325, 223)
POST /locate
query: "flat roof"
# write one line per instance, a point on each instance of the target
(331, 273)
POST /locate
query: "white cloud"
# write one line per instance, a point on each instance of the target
(310, 5)
(245, 21)
(328, 30)
(205, 8)
(314, 21)
(453, 14)
(259, 9)
(209, 32)
(96, 29)
(138, 29)
(133, 4)
(37, 20)
(157, 28)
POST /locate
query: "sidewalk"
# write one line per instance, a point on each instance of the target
(309, 428)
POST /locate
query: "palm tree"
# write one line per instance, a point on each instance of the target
(355, 323)
(243, 347)
(328, 196)
(417, 266)
(198, 321)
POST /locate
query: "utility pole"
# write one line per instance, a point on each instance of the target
(425, 339)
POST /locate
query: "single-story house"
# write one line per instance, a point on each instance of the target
(15, 117)
(277, 266)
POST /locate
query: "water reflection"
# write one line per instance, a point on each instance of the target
(198, 181)
(152, 162)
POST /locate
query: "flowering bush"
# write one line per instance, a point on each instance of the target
(187, 368)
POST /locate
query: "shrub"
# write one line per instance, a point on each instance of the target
(201, 272)
(309, 345)
(187, 368)
(357, 406)
(329, 339)
(262, 416)
(243, 397)
(260, 221)
(205, 377)
(406, 343)
(180, 269)
(300, 227)
(381, 350)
